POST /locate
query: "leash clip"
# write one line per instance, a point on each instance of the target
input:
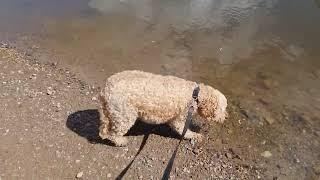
(195, 94)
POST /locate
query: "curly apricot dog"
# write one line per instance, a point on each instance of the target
(154, 99)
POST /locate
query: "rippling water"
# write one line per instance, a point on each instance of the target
(234, 29)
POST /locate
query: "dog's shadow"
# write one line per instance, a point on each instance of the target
(86, 124)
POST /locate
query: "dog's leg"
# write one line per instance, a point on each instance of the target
(104, 113)
(178, 126)
(104, 125)
(120, 123)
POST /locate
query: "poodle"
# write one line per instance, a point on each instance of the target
(154, 99)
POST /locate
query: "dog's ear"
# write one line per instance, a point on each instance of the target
(212, 104)
(207, 107)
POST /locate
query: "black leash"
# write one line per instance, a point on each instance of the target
(195, 94)
(143, 143)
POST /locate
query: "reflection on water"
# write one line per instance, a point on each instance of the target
(318, 3)
(232, 26)
(184, 14)
(234, 29)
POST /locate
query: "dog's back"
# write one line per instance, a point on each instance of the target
(144, 83)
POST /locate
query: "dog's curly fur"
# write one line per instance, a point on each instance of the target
(154, 99)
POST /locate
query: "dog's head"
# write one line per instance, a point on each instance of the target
(212, 104)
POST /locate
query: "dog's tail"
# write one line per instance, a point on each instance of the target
(104, 126)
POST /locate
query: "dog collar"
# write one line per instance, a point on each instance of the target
(195, 94)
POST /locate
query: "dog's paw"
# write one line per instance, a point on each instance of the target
(198, 137)
(193, 136)
(120, 141)
(103, 135)
(103, 132)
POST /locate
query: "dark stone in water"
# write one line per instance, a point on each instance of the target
(228, 155)
(251, 115)
(4, 45)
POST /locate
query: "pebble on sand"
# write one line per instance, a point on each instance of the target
(266, 154)
(228, 155)
(269, 119)
(109, 175)
(80, 174)
(50, 91)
